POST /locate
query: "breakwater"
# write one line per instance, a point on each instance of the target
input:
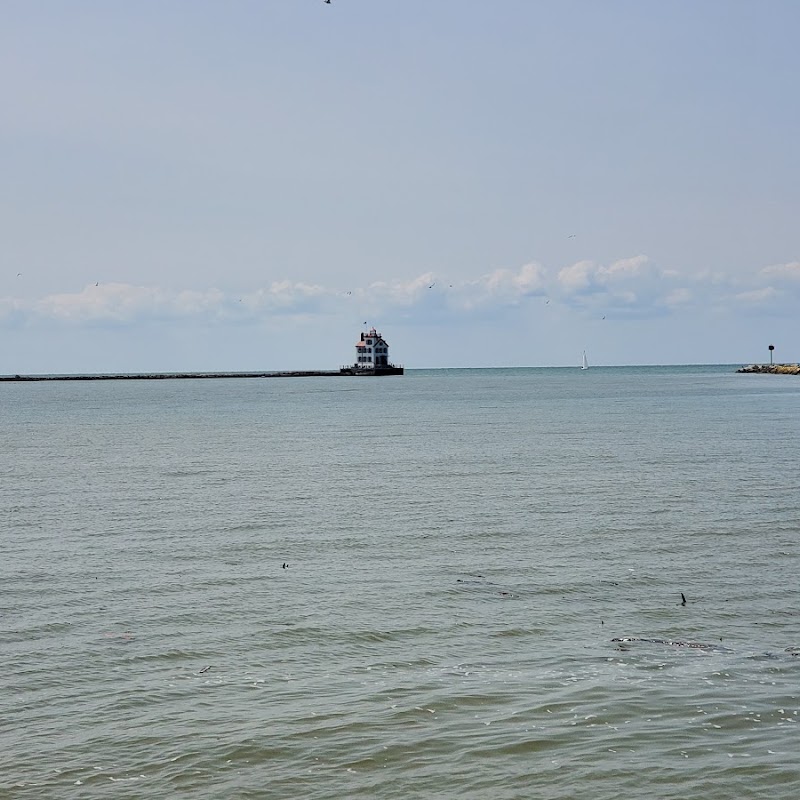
(772, 369)
(156, 376)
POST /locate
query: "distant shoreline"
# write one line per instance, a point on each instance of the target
(772, 369)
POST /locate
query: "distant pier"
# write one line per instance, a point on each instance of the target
(372, 360)
(160, 376)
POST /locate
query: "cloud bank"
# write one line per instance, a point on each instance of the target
(629, 287)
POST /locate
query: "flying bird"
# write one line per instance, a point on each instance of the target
(432, 285)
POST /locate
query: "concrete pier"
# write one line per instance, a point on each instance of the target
(159, 376)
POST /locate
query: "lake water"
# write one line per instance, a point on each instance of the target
(461, 549)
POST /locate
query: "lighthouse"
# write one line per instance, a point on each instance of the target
(372, 356)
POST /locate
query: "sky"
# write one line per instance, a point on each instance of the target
(199, 185)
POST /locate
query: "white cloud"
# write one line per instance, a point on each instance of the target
(678, 297)
(624, 269)
(789, 272)
(625, 278)
(111, 302)
(397, 292)
(758, 297)
(577, 277)
(283, 296)
(193, 302)
(530, 279)
(628, 287)
(776, 287)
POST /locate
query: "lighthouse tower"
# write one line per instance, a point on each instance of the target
(371, 351)
(372, 356)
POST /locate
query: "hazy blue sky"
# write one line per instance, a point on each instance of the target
(240, 185)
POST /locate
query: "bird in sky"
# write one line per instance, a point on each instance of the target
(571, 236)
(432, 285)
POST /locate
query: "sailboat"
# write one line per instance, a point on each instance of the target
(585, 364)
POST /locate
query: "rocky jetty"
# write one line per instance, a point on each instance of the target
(773, 369)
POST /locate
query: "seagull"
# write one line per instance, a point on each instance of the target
(328, 2)
(432, 285)
(571, 236)
(19, 274)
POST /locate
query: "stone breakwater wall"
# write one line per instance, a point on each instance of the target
(773, 369)
(158, 376)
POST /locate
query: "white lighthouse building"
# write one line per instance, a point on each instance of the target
(372, 355)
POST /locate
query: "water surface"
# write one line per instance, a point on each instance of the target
(461, 548)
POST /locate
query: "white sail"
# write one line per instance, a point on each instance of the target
(585, 364)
